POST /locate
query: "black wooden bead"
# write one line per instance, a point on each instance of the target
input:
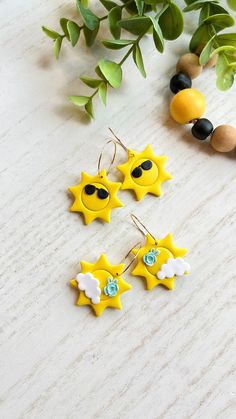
(202, 129)
(180, 81)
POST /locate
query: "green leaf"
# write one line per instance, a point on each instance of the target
(73, 31)
(117, 44)
(232, 4)
(91, 82)
(171, 22)
(99, 73)
(138, 59)
(89, 108)
(57, 47)
(63, 23)
(227, 39)
(111, 71)
(102, 91)
(206, 52)
(205, 31)
(140, 6)
(79, 100)
(136, 25)
(225, 48)
(114, 17)
(225, 74)
(90, 20)
(200, 37)
(210, 9)
(220, 21)
(90, 36)
(50, 33)
(131, 6)
(196, 5)
(157, 35)
(108, 4)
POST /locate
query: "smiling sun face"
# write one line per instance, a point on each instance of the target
(159, 262)
(95, 197)
(100, 285)
(144, 172)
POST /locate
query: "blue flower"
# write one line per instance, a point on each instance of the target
(112, 288)
(150, 258)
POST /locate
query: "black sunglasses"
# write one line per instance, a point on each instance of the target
(137, 172)
(90, 190)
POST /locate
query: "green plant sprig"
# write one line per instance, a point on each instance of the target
(166, 24)
(160, 19)
(208, 41)
(90, 28)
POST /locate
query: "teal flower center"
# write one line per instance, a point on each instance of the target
(150, 258)
(112, 288)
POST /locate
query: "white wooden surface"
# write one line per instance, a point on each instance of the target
(167, 355)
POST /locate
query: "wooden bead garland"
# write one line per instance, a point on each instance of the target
(188, 105)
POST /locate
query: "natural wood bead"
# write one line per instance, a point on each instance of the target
(189, 63)
(224, 138)
(212, 62)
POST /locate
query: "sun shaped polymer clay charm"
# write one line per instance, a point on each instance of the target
(159, 262)
(144, 172)
(95, 197)
(100, 285)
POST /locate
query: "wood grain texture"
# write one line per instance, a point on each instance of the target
(166, 355)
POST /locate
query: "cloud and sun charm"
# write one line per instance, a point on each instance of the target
(95, 197)
(100, 285)
(144, 172)
(159, 262)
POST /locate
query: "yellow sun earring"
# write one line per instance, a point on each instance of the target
(159, 261)
(100, 284)
(95, 196)
(143, 172)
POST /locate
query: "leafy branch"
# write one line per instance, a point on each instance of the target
(161, 20)
(213, 18)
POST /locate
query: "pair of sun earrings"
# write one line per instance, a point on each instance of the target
(158, 261)
(95, 196)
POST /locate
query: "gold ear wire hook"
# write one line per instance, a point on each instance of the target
(128, 266)
(118, 140)
(138, 223)
(113, 157)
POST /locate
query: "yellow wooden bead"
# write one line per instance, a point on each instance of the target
(187, 105)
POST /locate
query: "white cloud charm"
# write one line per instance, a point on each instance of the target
(90, 285)
(173, 267)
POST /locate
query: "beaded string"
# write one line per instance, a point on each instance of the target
(188, 105)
